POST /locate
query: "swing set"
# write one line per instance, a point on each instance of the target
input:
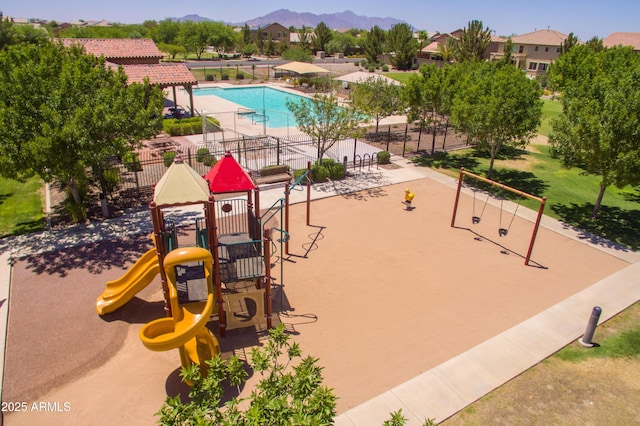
(503, 231)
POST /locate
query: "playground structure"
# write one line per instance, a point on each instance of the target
(225, 273)
(502, 230)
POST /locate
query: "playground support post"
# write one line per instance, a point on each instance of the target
(308, 192)
(542, 202)
(267, 276)
(212, 234)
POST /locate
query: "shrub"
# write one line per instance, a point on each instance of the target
(209, 160)
(319, 173)
(200, 154)
(372, 68)
(168, 157)
(384, 157)
(240, 75)
(356, 63)
(111, 179)
(299, 172)
(225, 76)
(183, 127)
(210, 77)
(131, 162)
(385, 68)
(337, 171)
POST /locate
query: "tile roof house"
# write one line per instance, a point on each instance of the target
(623, 39)
(139, 58)
(533, 52)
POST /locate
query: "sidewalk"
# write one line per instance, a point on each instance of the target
(443, 390)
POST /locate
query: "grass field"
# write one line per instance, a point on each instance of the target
(21, 206)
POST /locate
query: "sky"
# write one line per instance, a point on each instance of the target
(585, 18)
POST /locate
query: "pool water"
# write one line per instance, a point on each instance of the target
(259, 98)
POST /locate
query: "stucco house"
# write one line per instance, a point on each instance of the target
(533, 52)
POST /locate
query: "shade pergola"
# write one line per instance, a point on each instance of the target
(361, 77)
(301, 68)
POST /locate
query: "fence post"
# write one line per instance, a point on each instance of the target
(278, 151)
(404, 145)
(355, 150)
(388, 137)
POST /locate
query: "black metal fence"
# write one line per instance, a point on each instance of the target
(132, 183)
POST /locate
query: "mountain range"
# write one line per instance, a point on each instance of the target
(287, 18)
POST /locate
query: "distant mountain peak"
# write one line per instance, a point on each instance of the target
(346, 19)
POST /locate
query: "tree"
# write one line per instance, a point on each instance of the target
(304, 37)
(194, 37)
(290, 391)
(568, 43)
(297, 53)
(64, 114)
(448, 49)
(473, 42)
(321, 36)
(600, 121)
(428, 97)
(221, 37)
(403, 45)
(324, 120)
(374, 43)
(376, 97)
(496, 105)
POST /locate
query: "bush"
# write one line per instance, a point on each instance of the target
(200, 154)
(319, 174)
(356, 63)
(297, 173)
(183, 127)
(337, 171)
(225, 75)
(168, 157)
(131, 162)
(384, 157)
(111, 179)
(210, 77)
(240, 75)
(385, 68)
(209, 160)
(372, 68)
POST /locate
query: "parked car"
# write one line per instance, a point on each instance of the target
(177, 112)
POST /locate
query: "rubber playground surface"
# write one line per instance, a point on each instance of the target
(377, 293)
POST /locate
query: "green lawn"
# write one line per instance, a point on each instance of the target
(402, 77)
(21, 206)
(571, 194)
(550, 109)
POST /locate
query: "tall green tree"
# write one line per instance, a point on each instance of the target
(428, 96)
(496, 105)
(322, 35)
(403, 45)
(473, 42)
(64, 113)
(195, 37)
(447, 50)
(568, 43)
(376, 97)
(221, 37)
(599, 128)
(374, 43)
(324, 120)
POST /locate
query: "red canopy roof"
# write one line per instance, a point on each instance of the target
(227, 176)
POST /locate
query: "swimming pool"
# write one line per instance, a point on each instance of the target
(262, 99)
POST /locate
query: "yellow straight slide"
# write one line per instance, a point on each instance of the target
(120, 291)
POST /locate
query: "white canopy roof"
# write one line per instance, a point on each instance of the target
(360, 77)
(301, 68)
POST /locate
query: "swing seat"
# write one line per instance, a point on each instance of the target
(503, 232)
(475, 220)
